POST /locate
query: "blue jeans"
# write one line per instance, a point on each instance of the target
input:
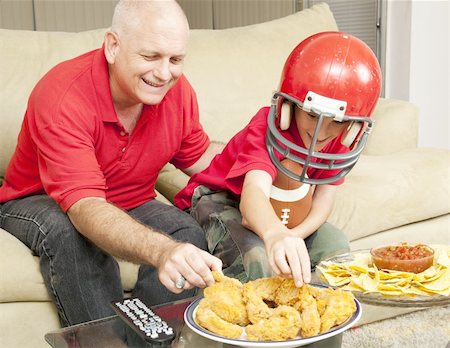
(81, 278)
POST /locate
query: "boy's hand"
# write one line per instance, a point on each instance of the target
(288, 256)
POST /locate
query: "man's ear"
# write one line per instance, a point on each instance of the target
(111, 46)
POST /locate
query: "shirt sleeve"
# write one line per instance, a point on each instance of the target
(252, 155)
(67, 161)
(194, 141)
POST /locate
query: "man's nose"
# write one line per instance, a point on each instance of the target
(162, 70)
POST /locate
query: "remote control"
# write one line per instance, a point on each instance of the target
(144, 321)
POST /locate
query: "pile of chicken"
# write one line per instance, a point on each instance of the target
(271, 309)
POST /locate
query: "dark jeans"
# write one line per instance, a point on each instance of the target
(81, 278)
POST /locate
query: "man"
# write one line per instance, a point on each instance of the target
(80, 186)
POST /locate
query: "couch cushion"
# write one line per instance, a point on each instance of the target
(21, 279)
(26, 56)
(393, 117)
(383, 192)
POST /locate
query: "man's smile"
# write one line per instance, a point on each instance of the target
(158, 85)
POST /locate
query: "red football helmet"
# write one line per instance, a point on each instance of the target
(329, 74)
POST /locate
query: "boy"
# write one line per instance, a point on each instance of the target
(319, 119)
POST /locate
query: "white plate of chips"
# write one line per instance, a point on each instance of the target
(355, 272)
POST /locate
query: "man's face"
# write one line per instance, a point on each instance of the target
(147, 63)
(306, 124)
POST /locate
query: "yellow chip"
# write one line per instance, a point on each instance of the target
(359, 268)
(441, 283)
(332, 279)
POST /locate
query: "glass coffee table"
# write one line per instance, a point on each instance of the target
(112, 332)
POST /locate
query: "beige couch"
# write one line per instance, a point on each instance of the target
(397, 192)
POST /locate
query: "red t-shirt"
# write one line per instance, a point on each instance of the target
(247, 151)
(72, 144)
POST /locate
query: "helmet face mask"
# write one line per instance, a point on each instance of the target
(329, 75)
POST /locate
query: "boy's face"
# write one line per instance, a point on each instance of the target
(306, 125)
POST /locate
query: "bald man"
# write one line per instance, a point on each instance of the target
(80, 188)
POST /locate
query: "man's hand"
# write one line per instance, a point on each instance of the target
(186, 260)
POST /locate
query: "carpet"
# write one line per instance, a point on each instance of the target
(429, 328)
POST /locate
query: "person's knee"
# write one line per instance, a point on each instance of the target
(256, 264)
(327, 241)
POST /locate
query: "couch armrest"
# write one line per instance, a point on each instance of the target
(170, 181)
(395, 129)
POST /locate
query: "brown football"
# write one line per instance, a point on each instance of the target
(291, 199)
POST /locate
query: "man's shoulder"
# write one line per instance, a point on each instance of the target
(73, 66)
(60, 79)
(68, 84)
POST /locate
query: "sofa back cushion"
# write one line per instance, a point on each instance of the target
(233, 70)
(25, 57)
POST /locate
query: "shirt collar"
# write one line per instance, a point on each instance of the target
(100, 77)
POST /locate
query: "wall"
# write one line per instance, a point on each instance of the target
(79, 15)
(417, 64)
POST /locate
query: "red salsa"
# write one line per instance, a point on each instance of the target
(403, 257)
(404, 252)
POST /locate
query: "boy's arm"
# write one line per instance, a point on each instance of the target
(286, 252)
(322, 205)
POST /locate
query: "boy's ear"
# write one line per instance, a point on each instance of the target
(350, 134)
(287, 109)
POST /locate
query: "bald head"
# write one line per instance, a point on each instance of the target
(135, 15)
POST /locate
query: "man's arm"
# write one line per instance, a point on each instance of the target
(214, 148)
(117, 233)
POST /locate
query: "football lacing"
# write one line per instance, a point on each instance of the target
(285, 215)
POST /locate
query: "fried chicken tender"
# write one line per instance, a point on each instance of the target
(255, 294)
(225, 299)
(287, 293)
(307, 306)
(282, 325)
(208, 319)
(267, 287)
(267, 323)
(340, 305)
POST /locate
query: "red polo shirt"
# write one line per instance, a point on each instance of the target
(72, 144)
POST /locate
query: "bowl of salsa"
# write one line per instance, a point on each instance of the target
(406, 258)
